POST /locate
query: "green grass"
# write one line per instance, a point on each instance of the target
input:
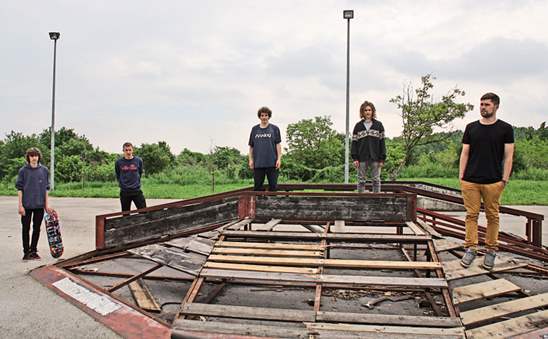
(517, 192)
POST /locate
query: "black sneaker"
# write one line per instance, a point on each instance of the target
(26, 256)
(34, 256)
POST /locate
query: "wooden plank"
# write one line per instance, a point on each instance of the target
(326, 279)
(143, 297)
(270, 253)
(331, 237)
(502, 309)
(261, 268)
(487, 289)
(429, 229)
(263, 245)
(269, 331)
(362, 230)
(193, 243)
(454, 270)
(416, 229)
(346, 263)
(388, 319)
(511, 327)
(240, 224)
(459, 331)
(446, 245)
(244, 312)
(338, 226)
(173, 257)
(269, 226)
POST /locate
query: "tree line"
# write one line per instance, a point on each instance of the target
(314, 152)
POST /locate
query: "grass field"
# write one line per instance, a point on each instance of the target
(517, 192)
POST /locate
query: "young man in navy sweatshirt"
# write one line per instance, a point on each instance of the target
(129, 169)
(32, 189)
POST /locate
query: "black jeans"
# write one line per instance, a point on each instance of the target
(36, 215)
(126, 197)
(258, 177)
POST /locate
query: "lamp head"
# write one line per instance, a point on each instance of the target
(348, 14)
(54, 35)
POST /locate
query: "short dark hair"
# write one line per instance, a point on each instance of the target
(127, 144)
(364, 106)
(31, 152)
(491, 96)
(264, 109)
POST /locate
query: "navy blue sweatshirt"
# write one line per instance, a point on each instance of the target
(128, 173)
(34, 183)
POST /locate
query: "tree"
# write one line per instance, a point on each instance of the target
(156, 157)
(313, 145)
(421, 115)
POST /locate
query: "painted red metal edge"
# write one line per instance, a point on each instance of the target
(125, 321)
(99, 232)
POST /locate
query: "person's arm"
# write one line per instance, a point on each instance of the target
(20, 208)
(382, 146)
(354, 148)
(250, 157)
(47, 207)
(141, 167)
(508, 158)
(464, 154)
(19, 184)
(279, 155)
(117, 171)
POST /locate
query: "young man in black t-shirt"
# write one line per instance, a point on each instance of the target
(128, 170)
(484, 169)
(265, 151)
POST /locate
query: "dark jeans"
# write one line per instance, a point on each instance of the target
(258, 177)
(36, 216)
(126, 197)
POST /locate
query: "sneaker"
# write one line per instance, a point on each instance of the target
(468, 257)
(26, 256)
(34, 256)
(489, 260)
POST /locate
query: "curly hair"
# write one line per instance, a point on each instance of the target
(364, 106)
(264, 109)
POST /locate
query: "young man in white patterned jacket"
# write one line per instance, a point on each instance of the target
(368, 148)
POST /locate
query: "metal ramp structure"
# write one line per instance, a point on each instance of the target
(310, 261)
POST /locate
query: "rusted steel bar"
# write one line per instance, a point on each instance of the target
(94, 260)
(453, 312)
(133, 278)
(426, 292)
(127, 275)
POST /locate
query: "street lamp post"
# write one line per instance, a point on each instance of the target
(53, 36)
(347, 14)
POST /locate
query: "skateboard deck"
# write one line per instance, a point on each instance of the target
(53, 231)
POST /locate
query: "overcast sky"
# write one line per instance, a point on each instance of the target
(194, 73)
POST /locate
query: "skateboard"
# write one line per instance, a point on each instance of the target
(53, 231)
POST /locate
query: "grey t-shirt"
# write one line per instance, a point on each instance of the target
(33, 182)
(264, 141)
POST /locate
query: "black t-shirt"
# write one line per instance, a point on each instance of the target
(486, 156)
(264, 141)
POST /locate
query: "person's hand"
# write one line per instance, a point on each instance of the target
(381, 163)
(21, 211)
(49, 210)
(356, 163)
(250, 164)
(278, 164)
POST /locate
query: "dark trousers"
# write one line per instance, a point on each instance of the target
(258, 177)
(36, 215)
(126, 197)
